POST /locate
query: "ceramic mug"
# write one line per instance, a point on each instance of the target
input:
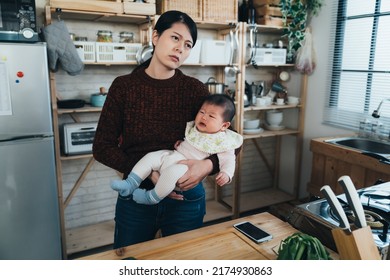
(261, 102)
(280, 101)
(293, 100)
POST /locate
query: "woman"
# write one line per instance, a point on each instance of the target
(147, 110)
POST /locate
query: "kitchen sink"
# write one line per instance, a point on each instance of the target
(365, 145)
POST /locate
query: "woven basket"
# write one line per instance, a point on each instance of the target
(223, 11)
(191, 7)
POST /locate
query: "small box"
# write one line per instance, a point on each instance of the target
(194, 57)
(86, 51)
(135, 8)
(269, 56)
(117, 52)
(214, 52)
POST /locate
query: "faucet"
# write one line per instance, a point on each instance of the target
(375, 114)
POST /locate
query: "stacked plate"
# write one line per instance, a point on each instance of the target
(252, 126)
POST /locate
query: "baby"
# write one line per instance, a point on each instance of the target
(208, 134)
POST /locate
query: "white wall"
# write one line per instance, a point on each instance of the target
(317, 90)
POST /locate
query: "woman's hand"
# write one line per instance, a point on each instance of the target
(178, 142)
(197, 171)
(154, 178)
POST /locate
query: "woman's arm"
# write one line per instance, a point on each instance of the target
(107, 140)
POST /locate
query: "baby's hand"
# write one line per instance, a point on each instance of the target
(178, 142)
(222, 178)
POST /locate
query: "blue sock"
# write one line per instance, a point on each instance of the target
(126, 187)
(142, 196)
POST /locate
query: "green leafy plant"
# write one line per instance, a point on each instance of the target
(301, 246)
(297, 15)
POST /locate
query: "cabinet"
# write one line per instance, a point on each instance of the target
(100, 234)
(330, 162)
(284, 183)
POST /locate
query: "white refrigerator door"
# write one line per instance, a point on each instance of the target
(24, 85)
(29, 213)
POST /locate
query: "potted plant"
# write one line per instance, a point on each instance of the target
(296, 17)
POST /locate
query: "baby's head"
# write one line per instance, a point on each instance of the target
(224, 101)
(215, 114)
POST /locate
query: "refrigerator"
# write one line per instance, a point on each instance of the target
(29, 211)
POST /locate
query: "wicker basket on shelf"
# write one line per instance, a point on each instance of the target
(222, 11)
(191, 7)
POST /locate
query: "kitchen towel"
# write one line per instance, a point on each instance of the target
(61, 49)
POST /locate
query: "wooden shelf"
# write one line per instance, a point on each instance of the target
(269, 133)
(69, 14)
(85, 109)
(268, 65)
(73, 157)
(271, 107)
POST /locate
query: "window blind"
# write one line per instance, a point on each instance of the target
(359, 71)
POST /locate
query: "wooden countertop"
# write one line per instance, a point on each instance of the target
(215, 242)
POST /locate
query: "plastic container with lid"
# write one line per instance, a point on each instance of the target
(104, 36)
(126, 37)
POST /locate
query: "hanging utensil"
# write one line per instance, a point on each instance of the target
(146, 51)
(336, 207)
(232, 70)
(353, 201)
(251, 43)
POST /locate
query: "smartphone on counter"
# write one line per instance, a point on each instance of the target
(253, 232)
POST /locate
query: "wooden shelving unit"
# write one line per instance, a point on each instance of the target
(244, 201)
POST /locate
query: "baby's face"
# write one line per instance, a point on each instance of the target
(209, 119)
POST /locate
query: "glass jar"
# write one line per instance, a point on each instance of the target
(81, 39)
(126, 37)
(104, 36)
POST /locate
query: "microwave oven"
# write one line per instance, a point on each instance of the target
(77, 138)
(18, 21)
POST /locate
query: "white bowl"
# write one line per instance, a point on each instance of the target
(251, 124)
(274, 117)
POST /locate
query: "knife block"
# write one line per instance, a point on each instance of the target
(356, 245)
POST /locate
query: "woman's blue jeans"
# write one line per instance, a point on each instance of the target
(135, 223)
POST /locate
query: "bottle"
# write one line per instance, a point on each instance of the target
(243, 11)
(251, 13)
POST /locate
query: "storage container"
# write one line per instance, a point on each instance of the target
(194, 57)
(86, 51)
(104, 36)
(269, 56)
(117, 52)
(138, 8)
(214, 52)
(191, 7)
(126, 37)
(223, 11)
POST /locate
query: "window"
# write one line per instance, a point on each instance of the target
(360, 70)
